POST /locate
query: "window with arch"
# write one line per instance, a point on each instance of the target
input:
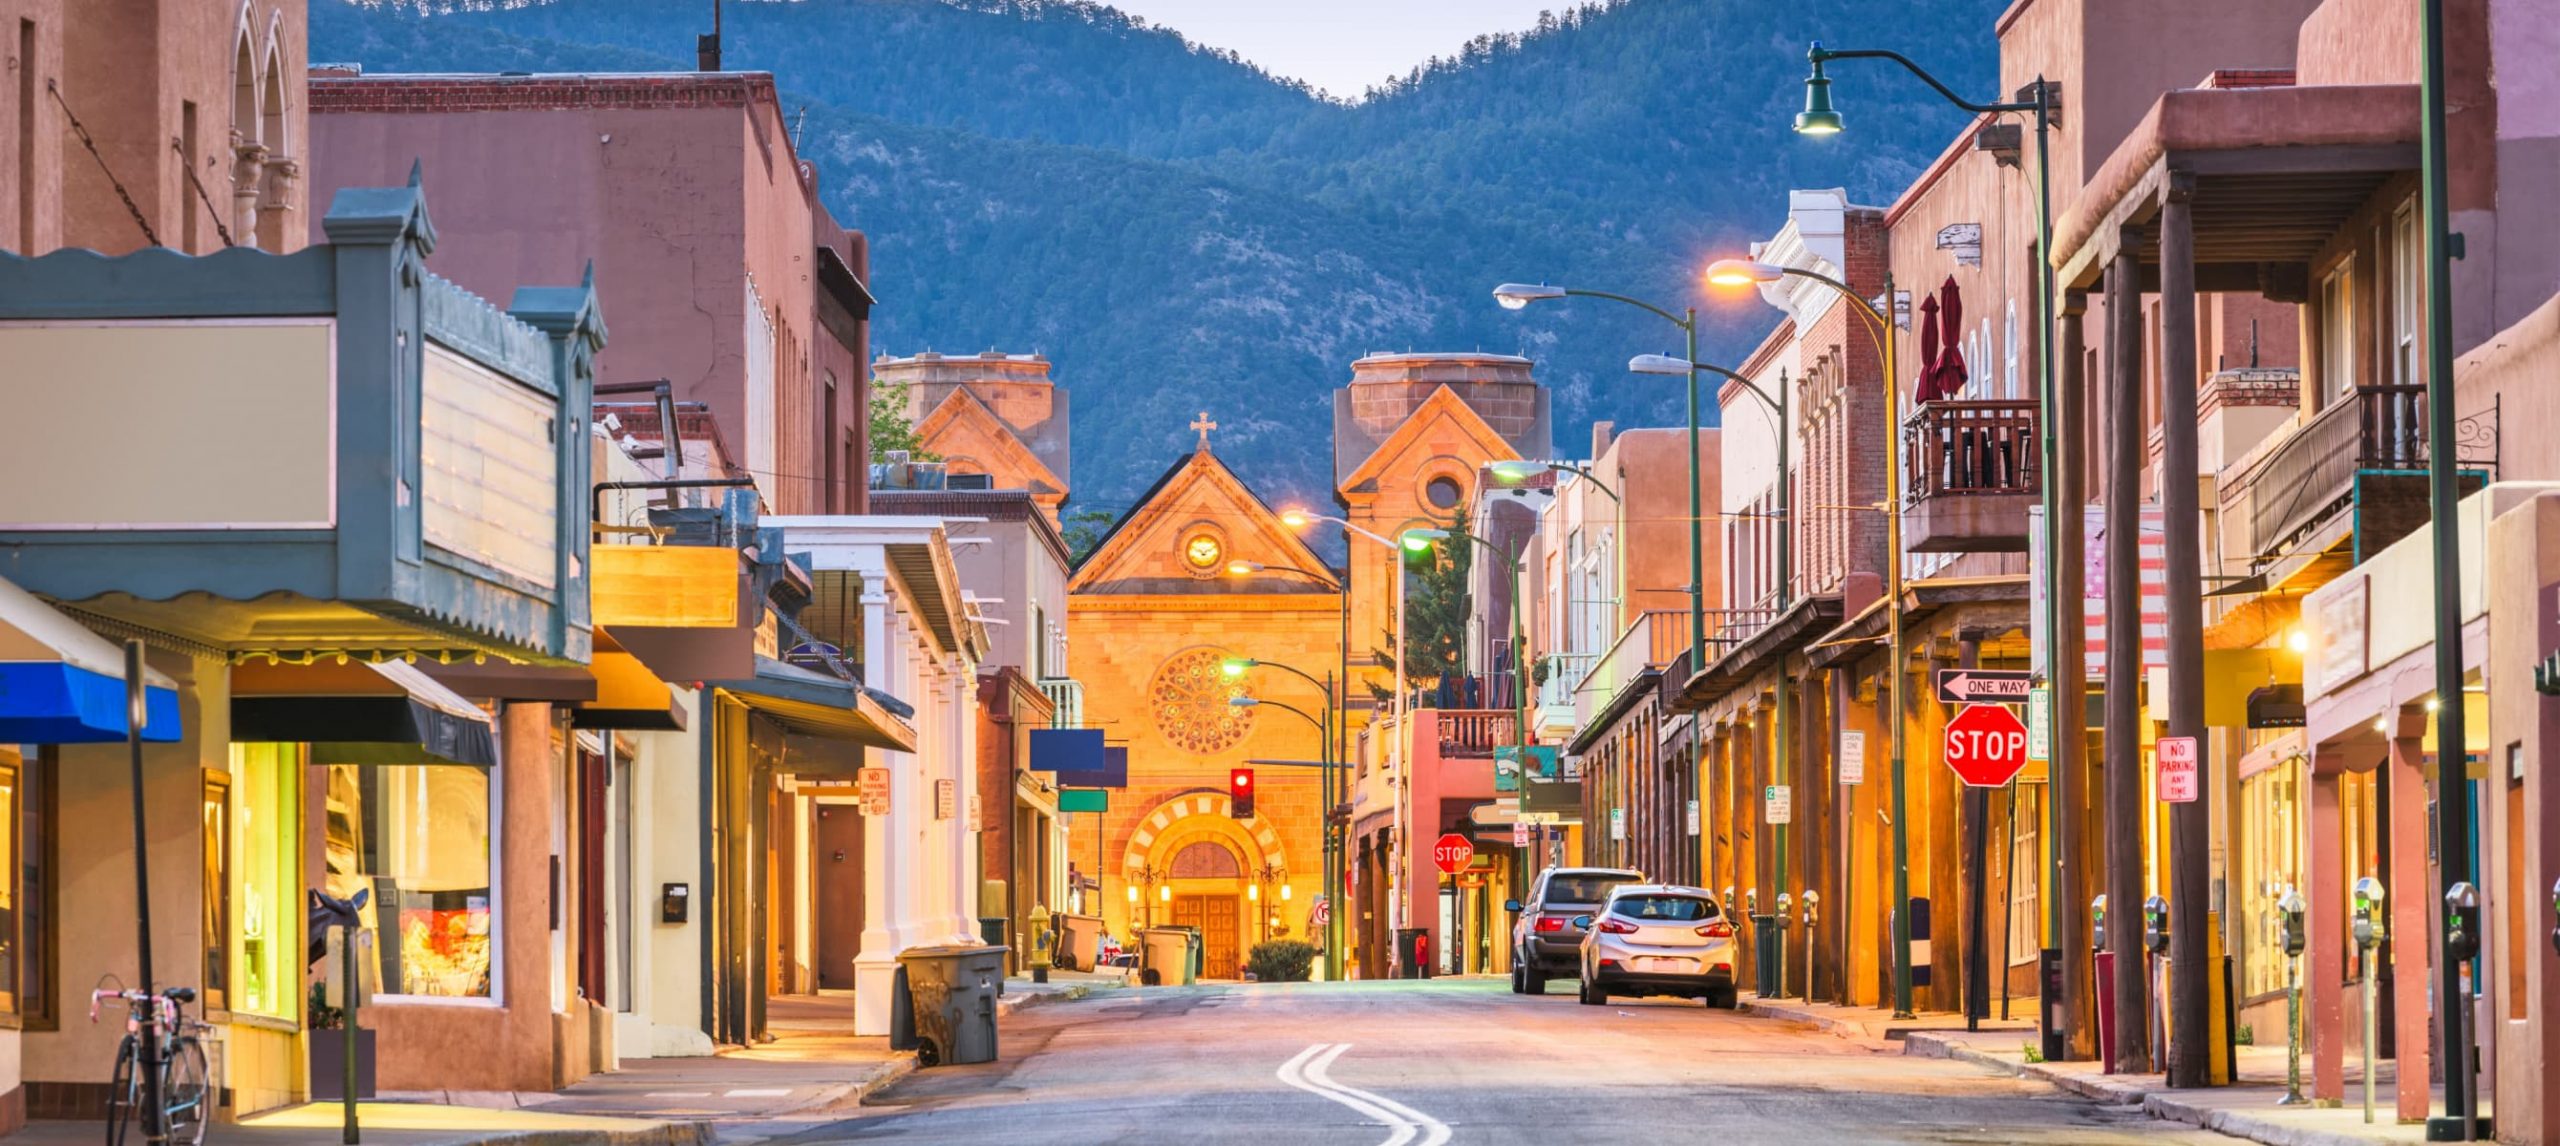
(1444, 492)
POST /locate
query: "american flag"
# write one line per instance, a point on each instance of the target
(2155, 585)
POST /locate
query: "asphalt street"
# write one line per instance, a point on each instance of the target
(1447, 1061)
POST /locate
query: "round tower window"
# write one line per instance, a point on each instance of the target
(1444, 492)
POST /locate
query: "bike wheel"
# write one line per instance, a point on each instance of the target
(186, 1093)
(122, 1103)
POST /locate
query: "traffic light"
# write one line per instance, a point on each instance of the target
(1240, 793)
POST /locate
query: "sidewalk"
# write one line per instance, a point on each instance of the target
(814, 1068)
(2247, 1110)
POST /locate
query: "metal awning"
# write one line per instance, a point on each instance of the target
(359, 713)
(62, 684)
(814, 704)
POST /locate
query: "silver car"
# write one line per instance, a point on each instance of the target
(1658, 939)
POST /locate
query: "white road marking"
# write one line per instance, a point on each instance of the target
(757, 1092)
(677, 1094)
(1404, 1123)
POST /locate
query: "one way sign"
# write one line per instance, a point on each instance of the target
(1983, 686)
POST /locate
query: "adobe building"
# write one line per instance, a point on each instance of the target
(1154, 612)
(734, 280)
(992, 414)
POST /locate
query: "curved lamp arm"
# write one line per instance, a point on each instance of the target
(1821, 55)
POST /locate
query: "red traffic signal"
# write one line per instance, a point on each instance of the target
(1240, 793)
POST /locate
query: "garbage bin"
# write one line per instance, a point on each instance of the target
(1172, 953)
(952, 991)
(1764, 955)
(1413, 952)
(991, 930)
(1079, 942)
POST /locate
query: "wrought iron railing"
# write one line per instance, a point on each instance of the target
(1564, 672)
(2311, 473)
(1968, 448)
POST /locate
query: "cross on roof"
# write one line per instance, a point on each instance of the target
(1204, 425)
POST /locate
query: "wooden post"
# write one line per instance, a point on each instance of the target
(2191, 838)
(2123, 760)
(2071, 790)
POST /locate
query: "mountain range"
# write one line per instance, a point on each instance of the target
(1178, 230)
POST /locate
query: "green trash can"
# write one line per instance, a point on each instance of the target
(1764, 955)
(952, 992)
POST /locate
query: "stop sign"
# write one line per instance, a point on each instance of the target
(1453, 853)
(1986, 745)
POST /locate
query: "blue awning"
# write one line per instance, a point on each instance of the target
(62, 684)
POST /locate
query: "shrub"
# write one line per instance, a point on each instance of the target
(1281, 961)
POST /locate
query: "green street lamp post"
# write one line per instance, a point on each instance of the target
(1786, 550)
(1746, 272)
(1820, 118)
(1515, 296)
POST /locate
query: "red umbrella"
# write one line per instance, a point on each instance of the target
(1926, 388)
(1949, 368)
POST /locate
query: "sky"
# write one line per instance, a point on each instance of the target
(1340, 46)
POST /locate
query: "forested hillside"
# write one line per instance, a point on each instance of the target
(1175, 228)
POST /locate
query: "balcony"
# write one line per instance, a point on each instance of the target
(1564, 673)
(1972, 470)
(1066, 695)
(1655, 639)
(1474, 733)
(2369, 453)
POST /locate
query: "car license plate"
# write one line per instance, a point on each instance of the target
(1667, 965)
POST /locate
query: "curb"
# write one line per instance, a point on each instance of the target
(2158, 1104)
(657, 1134)
(1012, 1002)
(1842, 1028)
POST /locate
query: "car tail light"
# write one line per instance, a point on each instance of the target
(1716, 929)
(1548, 923)
(1614, 927)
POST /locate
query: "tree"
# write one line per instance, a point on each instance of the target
(1084, 529)
(1436, 608)
(892, 428)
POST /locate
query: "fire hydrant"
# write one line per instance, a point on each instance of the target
(1040, 943)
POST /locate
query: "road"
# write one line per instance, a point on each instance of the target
(1449, 1061)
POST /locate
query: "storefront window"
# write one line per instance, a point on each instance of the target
(32, 905)
(11, 942)
(215, 816)
(417, 835)
(266, 842)
(2271, 824)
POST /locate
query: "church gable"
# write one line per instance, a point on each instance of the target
(968, 435)
(1180, 538)
(1443, 426)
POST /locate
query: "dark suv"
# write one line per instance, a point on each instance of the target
(1544, 942)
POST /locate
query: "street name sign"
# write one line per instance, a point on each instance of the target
(2177, 769)
(1983, 686)
(1986, 745)
(1778, 804)
(1453, 853)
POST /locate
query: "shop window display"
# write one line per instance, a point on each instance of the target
(265, 848)
(417, 836)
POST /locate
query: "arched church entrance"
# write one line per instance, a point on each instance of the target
(1209, 868)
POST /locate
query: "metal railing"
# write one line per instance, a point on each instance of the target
(1564, 675)
(1965, 448)
(1066, 697)
(2311, 473)
(1654, 639)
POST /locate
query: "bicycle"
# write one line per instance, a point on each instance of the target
(186, 1093)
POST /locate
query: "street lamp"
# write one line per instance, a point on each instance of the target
(1516, 296)
(1820, 119)
(1336, 854)
(1296, 518)
(1662, 364)
(1745, 272)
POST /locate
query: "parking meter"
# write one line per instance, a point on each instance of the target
(2462, 921)
(2098, 923)
(2155, 925)
(2289, 910)
(1751, 901)
(2368, 931)
(1812, 902)
(2290, 935)
(1786, 909)
(2368, 913)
